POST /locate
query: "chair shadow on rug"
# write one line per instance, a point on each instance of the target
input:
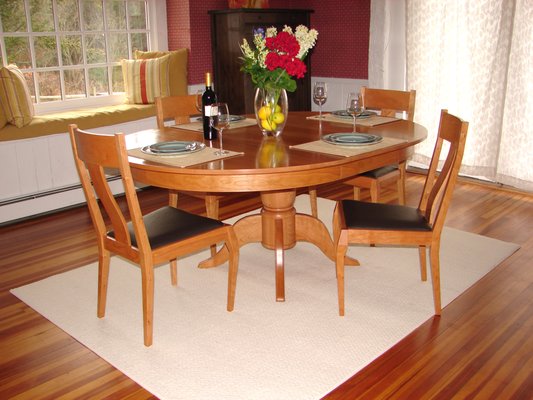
(357, 222)
(159, 236)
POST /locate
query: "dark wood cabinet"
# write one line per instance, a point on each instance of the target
(228, 28)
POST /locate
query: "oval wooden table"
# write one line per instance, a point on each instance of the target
(275, 169)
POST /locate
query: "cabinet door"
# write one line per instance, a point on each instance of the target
(228, 30)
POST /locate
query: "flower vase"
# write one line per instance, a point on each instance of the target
(271, 109)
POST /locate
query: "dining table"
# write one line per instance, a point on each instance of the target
(276, 168)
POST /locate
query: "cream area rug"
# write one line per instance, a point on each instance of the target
(297, 349)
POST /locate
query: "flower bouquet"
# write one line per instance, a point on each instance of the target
(274, 65)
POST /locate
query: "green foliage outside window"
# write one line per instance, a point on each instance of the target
(59, 60)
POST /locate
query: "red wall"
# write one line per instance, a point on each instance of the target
(341, 50)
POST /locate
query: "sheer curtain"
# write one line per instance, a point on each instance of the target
(474, 58)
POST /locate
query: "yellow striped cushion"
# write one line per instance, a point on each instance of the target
(177, 63)
(3, 118)
(144, 80)
(15, 96)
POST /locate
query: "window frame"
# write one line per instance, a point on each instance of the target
(156, 39)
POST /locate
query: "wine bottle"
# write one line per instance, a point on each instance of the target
(209, 97)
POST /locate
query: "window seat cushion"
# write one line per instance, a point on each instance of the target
(49, 124)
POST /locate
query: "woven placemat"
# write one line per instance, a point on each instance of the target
(319, 146)
(370, 121)
(198, 127)
(203, 156)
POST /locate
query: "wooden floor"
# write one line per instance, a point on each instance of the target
(480, 348)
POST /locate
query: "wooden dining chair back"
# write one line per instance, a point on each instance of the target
(177, 108)
(357, 222)
(389, 103)
(157, 237)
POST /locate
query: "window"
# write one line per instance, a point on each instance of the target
(70, 50)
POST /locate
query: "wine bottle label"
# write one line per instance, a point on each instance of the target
(207, 110)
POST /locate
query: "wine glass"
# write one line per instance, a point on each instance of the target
(220, 119)
(320, 95)
(353, 106)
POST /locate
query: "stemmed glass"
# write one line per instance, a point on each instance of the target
(353, 106)
(320, 95)
(220, 119)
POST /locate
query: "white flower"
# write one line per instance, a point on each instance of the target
(246, 50)
(306, 38)
(271, 32)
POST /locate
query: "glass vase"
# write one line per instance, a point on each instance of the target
(271, 109)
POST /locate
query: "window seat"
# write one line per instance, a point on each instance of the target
(38, 170)
(89, 118)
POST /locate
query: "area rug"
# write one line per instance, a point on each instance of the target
(297, 349)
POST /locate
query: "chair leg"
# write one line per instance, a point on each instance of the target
(340, 253)
(174, 272)
(103, 278)
(374, 191)
(356, 193)
(173, 198)
(211, 210)
(147, 271)
(435, 276)
(423, 267)
(232, 245)
(211, 206)
(401, 183)
(314, 202)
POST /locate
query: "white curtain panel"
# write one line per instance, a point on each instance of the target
(474, 58)
(386, 58)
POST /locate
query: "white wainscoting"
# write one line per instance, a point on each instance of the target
(39, 175)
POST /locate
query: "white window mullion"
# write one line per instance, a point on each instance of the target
(62, 86)
(29, 29)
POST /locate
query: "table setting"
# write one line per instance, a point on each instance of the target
(236, 121)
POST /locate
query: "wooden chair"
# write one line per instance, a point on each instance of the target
(390, 224)
(148, 240)
(389, 102)
(180, 108)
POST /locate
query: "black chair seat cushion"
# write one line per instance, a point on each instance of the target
(379, 216)
(168, 224)
(379, 172)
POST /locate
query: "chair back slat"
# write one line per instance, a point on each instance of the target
(438, 189)
(92, 154)
(389, 102)
(180, 108)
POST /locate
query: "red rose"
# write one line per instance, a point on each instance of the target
(296, 68)
(285, 43)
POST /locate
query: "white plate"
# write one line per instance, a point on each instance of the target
(344, 114)
(232, 118)
(352, 139)
(173, 148)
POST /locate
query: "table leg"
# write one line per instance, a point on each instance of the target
(278, 227)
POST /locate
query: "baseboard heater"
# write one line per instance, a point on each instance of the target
(49, 192)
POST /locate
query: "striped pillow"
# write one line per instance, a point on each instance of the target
(15, 96)
(144, 80)
(177, 63)
(3, 118)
